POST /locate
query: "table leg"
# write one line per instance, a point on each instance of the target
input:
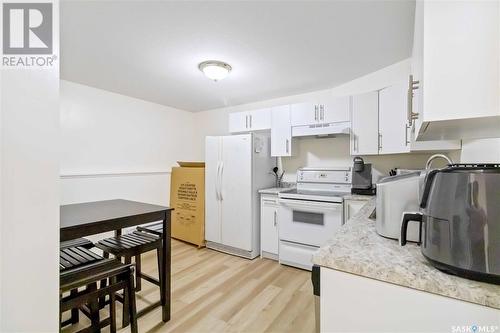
(165, 272)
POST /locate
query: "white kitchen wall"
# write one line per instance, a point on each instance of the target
(320, 152)
(115, 146)
(29, 206)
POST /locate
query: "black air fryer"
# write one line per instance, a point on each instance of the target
(459, 220)
(362, 177)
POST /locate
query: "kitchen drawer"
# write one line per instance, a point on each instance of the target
(297, 255)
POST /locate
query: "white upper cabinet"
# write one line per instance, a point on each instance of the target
(415, 86)
(456, 59)
(304, 114)
(238, 122)
(256, 120)
(393, 135)
(326, 109)
(260, 120)
(334, 109)
(281, 131)
(364, 124)
(396, 136)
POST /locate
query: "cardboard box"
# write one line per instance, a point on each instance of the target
(187, 197)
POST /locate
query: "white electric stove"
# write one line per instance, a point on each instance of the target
(309, 215)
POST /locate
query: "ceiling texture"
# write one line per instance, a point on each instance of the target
(151, 49)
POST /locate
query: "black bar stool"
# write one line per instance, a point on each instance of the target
(80, 270)
(85, 243)
(133, 245)
(154, 228)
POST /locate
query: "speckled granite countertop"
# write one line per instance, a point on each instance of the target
(356, 248)
(358, 197)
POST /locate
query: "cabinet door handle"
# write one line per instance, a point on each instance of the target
(246, 121)
(275, 218)
(250, 121)
(287, 146)
(354, 142)
(316, 113)
(380, 141)
(412, 85)
(322, 112)
(406, 135)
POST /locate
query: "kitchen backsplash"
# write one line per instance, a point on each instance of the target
(334, 152)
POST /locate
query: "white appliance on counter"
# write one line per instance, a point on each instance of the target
(236, 167)
(395, 196)
(311, 213)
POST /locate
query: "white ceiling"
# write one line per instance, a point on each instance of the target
(150, 50)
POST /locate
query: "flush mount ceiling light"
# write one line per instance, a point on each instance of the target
(214, 69)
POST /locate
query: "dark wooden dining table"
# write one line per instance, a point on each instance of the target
(90, 218)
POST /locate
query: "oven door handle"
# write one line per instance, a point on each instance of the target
(311, 204)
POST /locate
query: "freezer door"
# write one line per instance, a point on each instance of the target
(236, 193)
(213, 161)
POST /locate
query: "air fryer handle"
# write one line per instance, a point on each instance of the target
(407, 217)
(427, 187)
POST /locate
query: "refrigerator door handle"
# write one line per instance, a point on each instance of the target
(217, 181)
(220, 180)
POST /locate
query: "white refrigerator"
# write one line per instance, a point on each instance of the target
(236, 167)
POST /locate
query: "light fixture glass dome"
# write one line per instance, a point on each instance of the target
(214, 69)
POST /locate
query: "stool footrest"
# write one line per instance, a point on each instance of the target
(149, 278)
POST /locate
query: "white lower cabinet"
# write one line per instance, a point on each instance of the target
(386, 307)
(269, 226)
(352, 207)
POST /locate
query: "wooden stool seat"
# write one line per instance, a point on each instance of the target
(131, 244)
(154, 228)
(73, 257)
(82, 242)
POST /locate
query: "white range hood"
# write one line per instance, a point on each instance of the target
(343, 127)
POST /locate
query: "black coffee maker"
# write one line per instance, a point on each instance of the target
(362, 177)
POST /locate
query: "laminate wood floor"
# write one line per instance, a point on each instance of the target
(216, 292)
